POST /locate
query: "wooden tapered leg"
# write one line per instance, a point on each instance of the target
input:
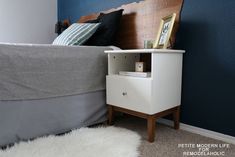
(176, 117)
(110, 115)
(151, 120)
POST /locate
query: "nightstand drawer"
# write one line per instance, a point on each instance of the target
(129, 92)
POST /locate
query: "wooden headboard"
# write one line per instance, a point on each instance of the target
(141, 21)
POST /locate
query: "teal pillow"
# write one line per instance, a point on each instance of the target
(76, 34)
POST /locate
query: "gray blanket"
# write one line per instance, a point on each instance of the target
(44, 71)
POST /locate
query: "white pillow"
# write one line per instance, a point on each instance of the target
(76, 34)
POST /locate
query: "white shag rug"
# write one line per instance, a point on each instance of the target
(84, 142)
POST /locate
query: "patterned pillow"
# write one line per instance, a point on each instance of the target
(76, 34)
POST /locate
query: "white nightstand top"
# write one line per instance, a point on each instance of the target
(145, 51)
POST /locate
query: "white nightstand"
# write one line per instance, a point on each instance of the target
(151, 97)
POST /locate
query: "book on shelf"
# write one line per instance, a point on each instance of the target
(135, 74)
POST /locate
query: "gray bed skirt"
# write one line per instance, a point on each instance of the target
(22, 120)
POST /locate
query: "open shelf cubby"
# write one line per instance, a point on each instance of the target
(126, 62)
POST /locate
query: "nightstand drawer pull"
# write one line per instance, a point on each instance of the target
(124, 93)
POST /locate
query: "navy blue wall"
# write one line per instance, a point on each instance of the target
(73, 9)
(206, 33)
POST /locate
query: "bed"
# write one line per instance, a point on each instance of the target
(48, 89)
(65, 103)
